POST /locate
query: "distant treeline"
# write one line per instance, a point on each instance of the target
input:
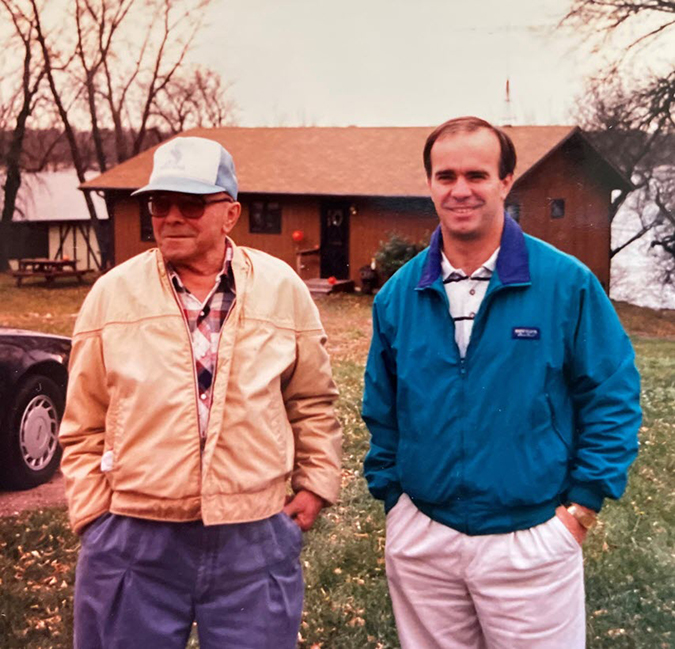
(47, 149)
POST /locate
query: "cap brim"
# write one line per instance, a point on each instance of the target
(182, 185)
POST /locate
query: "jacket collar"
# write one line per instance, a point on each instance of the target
(512, 262)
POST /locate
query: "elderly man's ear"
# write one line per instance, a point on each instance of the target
(233, 214)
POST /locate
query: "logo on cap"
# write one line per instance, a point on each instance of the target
(173, 161)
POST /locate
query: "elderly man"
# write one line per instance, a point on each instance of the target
(199, 384)
(503, 402)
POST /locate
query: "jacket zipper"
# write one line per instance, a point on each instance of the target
(194, 366)
(462, 373)
(215, 369)
(463, 361)
(462, 490)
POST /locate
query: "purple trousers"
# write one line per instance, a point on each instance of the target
(142, 583)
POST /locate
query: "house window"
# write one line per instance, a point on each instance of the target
(146, 221)
(513, 210)
(557, 208)
(264, 217)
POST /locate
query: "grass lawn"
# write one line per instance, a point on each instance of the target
(630, 559)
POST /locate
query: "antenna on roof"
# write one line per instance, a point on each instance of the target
(508, 116)
(507, 119)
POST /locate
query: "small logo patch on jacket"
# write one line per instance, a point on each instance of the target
(526, 333)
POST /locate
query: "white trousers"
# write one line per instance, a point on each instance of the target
(521, 590)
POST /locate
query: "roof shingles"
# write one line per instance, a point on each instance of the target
(350, 161)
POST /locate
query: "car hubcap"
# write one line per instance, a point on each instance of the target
(39, 432)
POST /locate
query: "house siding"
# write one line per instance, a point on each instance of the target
(376, 220)
(297, 213)
(127, 229)
(584, 231)
(573, 173)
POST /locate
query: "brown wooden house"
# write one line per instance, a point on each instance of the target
(343, 190)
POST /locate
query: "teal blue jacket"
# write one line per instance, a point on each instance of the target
(544, 408)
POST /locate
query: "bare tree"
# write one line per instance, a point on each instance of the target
(131, 92)
(116, 68)
(196, 97)
(632, 116)
(51, 70)
(664, 239)
(647, 19)
(635, 138)
(17, 110)
(96, 28)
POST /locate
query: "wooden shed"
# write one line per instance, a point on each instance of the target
(51, 220)
(346, 189)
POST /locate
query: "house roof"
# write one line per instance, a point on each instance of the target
(349, 161)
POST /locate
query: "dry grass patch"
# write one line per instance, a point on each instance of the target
(630, 560)
(643, 321)
(346, 319)
(38, 307)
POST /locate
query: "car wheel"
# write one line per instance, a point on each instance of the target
(32, 446)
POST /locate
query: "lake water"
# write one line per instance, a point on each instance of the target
(635, 274)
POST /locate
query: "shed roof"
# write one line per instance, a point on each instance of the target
(53, 196)
(347, 161)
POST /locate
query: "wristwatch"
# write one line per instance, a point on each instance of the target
(587, 519)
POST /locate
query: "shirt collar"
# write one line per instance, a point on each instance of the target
(484, 270)
(511, 263)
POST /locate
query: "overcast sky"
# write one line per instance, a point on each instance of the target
(395, 62)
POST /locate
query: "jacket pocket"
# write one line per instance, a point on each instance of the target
(525, 463)
(554, 423)
(112, 433)
(280, 428)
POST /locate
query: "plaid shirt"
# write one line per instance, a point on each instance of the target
(205, 321)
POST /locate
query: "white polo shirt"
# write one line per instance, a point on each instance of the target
(465, 294)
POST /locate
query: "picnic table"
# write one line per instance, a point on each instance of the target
(50, 269)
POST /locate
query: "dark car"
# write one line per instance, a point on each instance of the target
(33, 378)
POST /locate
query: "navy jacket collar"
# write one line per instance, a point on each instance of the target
(512, 262)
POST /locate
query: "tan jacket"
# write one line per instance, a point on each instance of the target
(130, 433)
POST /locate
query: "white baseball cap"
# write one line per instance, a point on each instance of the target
(192, 165)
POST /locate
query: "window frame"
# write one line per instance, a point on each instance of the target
(556, 208)
(147, 234)
(516, 207)
(271, 215)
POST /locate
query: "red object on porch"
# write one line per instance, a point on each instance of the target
(298, 236)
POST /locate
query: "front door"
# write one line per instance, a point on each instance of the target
(335, 239)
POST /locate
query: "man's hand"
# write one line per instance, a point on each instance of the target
(577, 530)
(303, 508)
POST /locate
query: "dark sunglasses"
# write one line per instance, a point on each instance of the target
(191, 207)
